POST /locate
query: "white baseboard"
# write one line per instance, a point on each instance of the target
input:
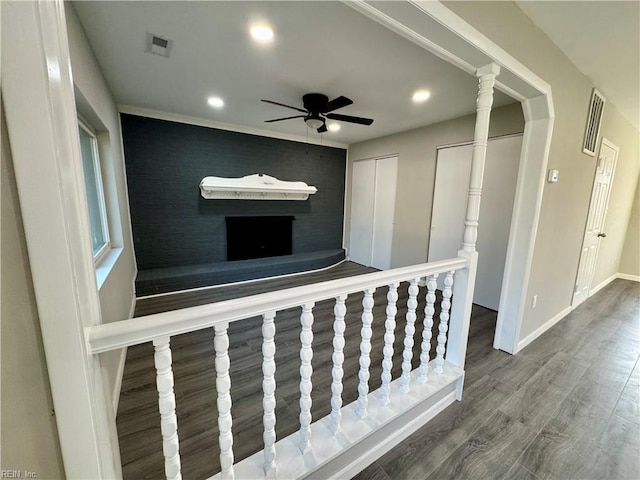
(627, 276)
(601, 285)
(543, 328)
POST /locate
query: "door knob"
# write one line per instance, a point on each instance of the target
(602, 234)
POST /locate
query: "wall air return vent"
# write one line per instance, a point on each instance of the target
(158, 45)
(594, 120)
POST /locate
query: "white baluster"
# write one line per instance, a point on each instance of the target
(306, 370)
(269, 389)
(444, 319)
(409, 330)
(167, 407)
(338, 359)
(223, 386)
(389, 338)
(365, 349)
(429, 310)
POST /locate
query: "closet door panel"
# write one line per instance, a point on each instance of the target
(362, 201)
(384, 211)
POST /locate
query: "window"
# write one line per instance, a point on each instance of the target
(95, 192)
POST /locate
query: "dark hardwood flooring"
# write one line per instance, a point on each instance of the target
(566, 407)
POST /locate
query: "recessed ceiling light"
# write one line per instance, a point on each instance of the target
(261, 33)
(333, 127)
(421, 96)
(215, 102)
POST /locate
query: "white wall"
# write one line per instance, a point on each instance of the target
(630, 259)
(417, 152)
(98, 106)
(564, 204)
(29, 435)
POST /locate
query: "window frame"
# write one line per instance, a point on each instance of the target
(101, 253)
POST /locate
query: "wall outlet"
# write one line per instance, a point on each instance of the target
(534, 301)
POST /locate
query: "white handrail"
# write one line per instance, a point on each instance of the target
(112, 336)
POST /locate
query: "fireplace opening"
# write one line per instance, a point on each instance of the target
(259, 237)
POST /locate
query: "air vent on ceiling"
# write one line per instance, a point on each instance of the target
(158, 45)
(593, 123)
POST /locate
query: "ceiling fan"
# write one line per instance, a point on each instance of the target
(317, 108)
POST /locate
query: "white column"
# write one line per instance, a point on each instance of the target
(465, 278)
(167, 406)
(338, 359)
(365, 349)
(389, 338)
(269, 390)
(306, 370)
(487, 76)
(409, 331)
(429, 310)
(223, 386)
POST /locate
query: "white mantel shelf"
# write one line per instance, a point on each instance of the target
(254, 187)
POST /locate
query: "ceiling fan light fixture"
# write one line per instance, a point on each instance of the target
(314, 122)
(333, 127)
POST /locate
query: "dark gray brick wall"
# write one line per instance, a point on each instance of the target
(173, 225)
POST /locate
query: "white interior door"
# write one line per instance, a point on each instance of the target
(595, 220)
(453, 169)
(373, 197)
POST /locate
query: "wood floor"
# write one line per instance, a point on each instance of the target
(566, 407)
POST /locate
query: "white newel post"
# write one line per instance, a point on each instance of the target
(464, 280)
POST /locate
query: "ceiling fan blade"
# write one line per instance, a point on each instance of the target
(283, 105)
(349, 118)
(323, 128)
(285, 118)
(337, 103)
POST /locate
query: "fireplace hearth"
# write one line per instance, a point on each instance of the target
(259, 237)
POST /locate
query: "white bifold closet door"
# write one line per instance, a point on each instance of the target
(453, 169)
(373, 199)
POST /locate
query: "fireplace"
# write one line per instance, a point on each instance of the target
(259, 237)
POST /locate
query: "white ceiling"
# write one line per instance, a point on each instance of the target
(323, 47)
(602, 39)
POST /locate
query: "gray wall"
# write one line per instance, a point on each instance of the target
(565, 204)
(174, 226)
(417, 151)
(630, 259)
(29, 434)
(96, 104)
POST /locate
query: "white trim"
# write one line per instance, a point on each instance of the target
(105, 264)
(115, 400)
(50, 179)
(117, 387)
(543, 328)
(601, 285)
(470, 142)
(628, 276)
(243, 282)
(202, 122)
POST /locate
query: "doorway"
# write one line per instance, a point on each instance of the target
(453, 169)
